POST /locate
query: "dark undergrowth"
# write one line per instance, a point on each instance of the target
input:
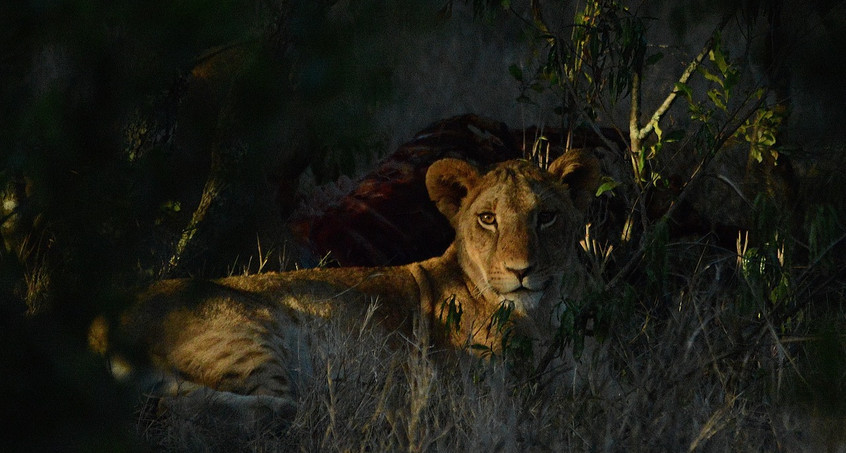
(701, 349)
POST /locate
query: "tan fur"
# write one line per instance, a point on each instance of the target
(516, 229)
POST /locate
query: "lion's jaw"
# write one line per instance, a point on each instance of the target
(497, 286)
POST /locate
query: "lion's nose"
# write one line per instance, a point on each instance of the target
(521, 271)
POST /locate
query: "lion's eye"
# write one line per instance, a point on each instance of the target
(546, 218)
(487, 219)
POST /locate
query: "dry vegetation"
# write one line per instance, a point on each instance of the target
(695, 353)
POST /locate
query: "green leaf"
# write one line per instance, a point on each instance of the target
(767, 140)
(685, 90)
(502, 315)
(480, 347)
(607, 185)
(716, 98)
(712, 77)
(453, 316)
(731, 79)
(655, 149)
(719, 58)
(171, 206)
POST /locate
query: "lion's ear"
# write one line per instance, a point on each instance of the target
(448, 182)
(579, 170)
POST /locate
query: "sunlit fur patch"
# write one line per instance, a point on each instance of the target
(516, 257)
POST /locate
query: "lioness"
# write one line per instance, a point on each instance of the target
(515, 235)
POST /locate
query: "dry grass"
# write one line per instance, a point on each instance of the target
(701, 375)
(699, 348)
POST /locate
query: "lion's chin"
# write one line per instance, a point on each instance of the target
(524, 299)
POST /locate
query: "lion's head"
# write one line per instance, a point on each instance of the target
(515, 225)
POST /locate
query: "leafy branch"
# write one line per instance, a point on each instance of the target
(636, 133)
